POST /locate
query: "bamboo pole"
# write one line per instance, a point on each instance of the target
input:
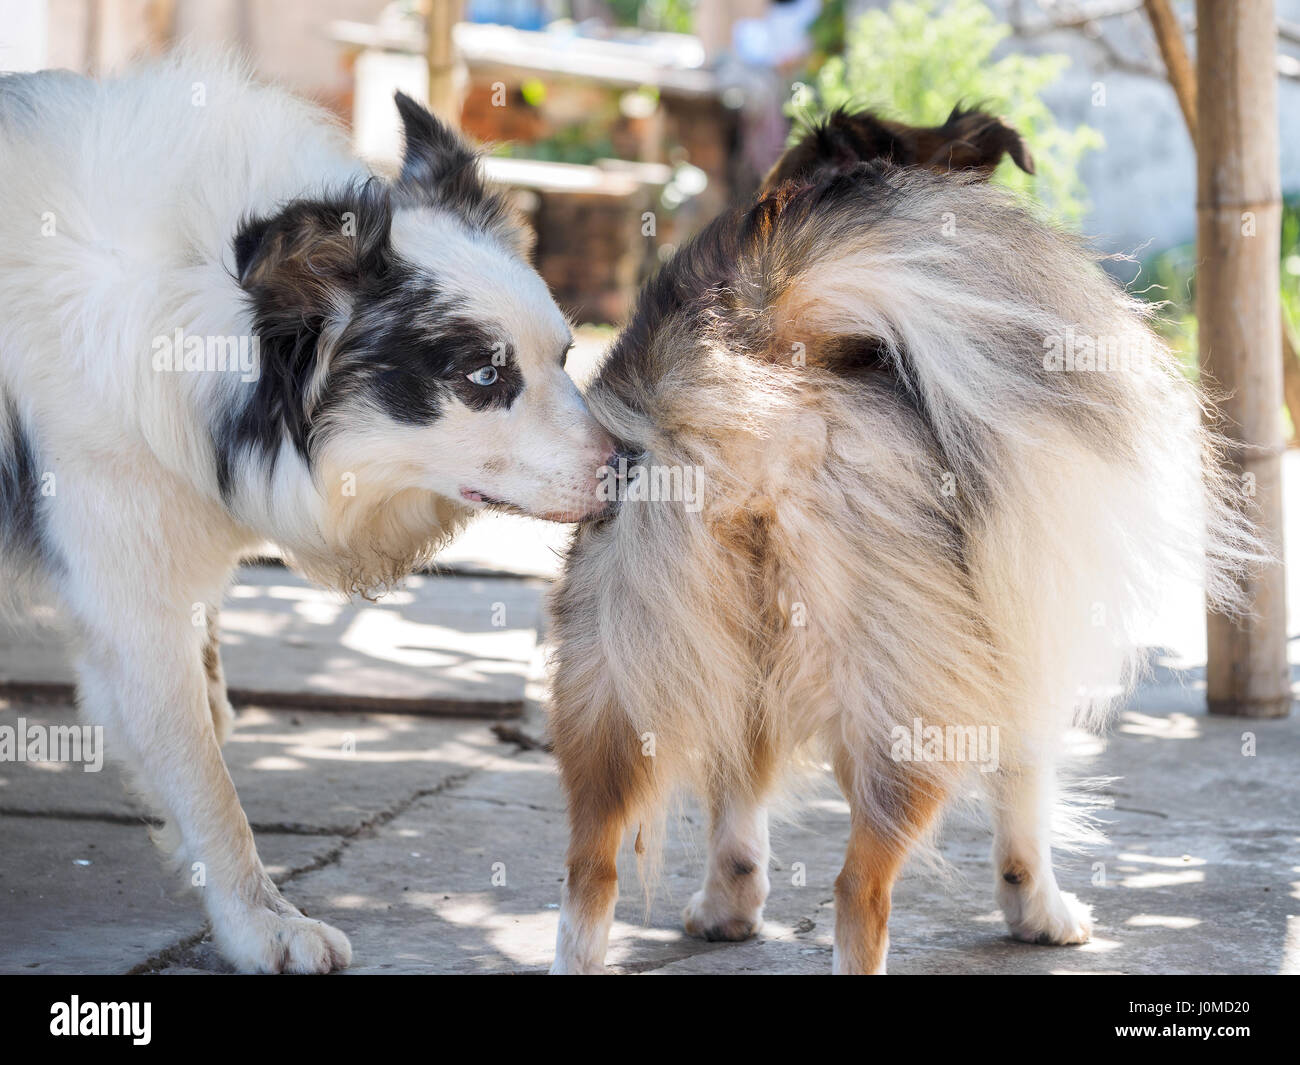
(94, 36)
(1169, 37)
(440, 56)
(1178, 66)
(1239, 214)
(160, 18)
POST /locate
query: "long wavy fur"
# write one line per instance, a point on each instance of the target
(910, 510)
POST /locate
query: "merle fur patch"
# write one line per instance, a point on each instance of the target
(20, 496)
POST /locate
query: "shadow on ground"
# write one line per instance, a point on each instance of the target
(439, 848)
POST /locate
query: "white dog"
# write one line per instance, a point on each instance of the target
(221, 329)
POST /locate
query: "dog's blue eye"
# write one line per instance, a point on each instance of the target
(484, 375)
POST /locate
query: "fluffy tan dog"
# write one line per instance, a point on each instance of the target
(945, 470)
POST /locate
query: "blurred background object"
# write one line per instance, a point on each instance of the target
(617, 140)
(621, 126)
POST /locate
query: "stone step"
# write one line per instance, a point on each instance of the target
(441, 645)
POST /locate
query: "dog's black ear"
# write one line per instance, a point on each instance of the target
(248, 242)
(301, 269)
(310, 256)
(972, 140)
(440, 170)
(969, 141)
(437, 166)
(835, 144)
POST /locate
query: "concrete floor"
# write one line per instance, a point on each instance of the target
(398, 841)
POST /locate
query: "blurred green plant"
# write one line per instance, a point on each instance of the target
(826, 34)
(1291, 267)
(584, 141)
(580, 142)
(918, 58)
(1169, 278)
(1166, 279)
(670, 16)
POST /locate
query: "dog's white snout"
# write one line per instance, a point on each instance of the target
(588, 494)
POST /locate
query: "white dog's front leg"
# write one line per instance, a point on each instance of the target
(223, 716)
(142, 677)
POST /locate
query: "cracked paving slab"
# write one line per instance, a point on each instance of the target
(468, 880)
(296, 770)
(83, 889)
(93, 898)
(448, 858)
(438, 645)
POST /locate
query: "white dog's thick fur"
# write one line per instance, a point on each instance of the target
(918, 507)
(409, 372)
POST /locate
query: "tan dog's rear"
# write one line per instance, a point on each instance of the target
(910, 512)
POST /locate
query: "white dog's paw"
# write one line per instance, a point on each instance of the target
(712, 919)
(1058, 919)
(580, 945)
(265, 941)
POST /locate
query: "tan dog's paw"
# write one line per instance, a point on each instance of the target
(1054, 921)
(704, 918)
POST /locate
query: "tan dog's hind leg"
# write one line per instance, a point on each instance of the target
(872, 863)
(730, 904)
(607, 779)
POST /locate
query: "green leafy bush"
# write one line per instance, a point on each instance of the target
(674, 16)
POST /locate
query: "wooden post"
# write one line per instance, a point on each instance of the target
(1169, 36)
(1238, 235)
(440, 17)
(94, 36)
(160, 19)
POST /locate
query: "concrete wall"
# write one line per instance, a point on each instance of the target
(1143, 184)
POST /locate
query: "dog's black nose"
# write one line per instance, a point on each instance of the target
(620, 461)
(625, 459)
(621, 464)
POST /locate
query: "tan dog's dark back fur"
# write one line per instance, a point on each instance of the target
(969, 141)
